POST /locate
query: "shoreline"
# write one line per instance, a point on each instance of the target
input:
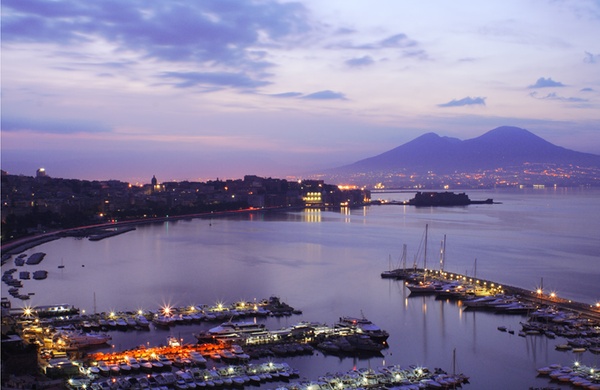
(22, 244)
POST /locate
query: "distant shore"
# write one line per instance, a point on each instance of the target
(99, 231)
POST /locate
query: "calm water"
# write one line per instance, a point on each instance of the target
(328, 264)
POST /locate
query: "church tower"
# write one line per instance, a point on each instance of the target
(155, 185)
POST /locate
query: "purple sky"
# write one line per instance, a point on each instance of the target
(112, 89)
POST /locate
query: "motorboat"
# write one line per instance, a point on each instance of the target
(236, 328)
(424, 287)
(142, 322)
(364, 326)
(82, 339)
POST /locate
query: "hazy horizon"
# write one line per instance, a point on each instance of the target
(200, 90)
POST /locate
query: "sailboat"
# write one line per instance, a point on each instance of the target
(61, 263)
(424, 287)
(398, 272)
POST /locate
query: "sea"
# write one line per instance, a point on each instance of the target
(328, 264)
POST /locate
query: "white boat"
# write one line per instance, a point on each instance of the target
(163, 321)
(424, 287)
(133, 363)
(479, 302)
(142, 322)
(364, 326)
(82, 339)
(232, 328)
(197, 358)
(121, 323)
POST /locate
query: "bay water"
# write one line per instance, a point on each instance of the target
(328, 264)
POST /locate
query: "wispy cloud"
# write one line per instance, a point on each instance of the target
(586, 90)
(396, 41)
(220, 79)
(554, 96)
(325, 95)
(546, 83)
(591, 58)
(467, 101)
(52, 126)
(360, 62)
(287, 94)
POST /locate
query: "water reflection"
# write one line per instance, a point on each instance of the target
(328, 264)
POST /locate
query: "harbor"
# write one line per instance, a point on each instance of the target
(325, 275)
(230, 338)
(222, 355)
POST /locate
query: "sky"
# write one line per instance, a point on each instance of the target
(199, 90)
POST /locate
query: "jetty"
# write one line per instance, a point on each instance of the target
(462, 287)
(100, 234)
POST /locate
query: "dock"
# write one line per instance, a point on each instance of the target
(489, 287)
(101, 234)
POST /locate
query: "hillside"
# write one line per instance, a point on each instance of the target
(500, 147)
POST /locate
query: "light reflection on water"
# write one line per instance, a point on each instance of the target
(328, 265)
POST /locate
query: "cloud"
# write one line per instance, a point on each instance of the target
(586, 90)
(554, 96)
(546, 83)
(206, 33)
(52, 126)
(325, 95)
(360, 62)
(397, 41)
(467, 101)
(591, 58)
(220, 79)
(287, 94)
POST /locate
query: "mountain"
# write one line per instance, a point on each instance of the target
(498, 148)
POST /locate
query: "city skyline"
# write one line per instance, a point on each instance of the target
(223, 89)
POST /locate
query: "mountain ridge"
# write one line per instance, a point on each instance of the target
(497, 148)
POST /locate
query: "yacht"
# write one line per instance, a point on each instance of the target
(81, 339)
(232, 328)
(425, 288)
(364, 326)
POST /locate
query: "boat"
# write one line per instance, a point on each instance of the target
(82, 339)
(162, 321)
(236, 328)
(35, 258)
(479, 302)
(364, 326)
(40, 274)
(145, 365)
(142, 322)
(121, 323)
(424, 287)
(104, 368)
(133, 363)
(173, 341)
(563, 347)
(197, 358)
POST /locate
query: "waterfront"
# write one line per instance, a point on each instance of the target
(328, 264)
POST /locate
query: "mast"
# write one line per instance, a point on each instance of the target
(425, 256)
(404, 257)
(442, 253)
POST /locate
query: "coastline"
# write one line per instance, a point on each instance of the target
(22, 244)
